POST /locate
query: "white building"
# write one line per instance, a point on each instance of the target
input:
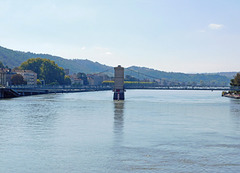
(29, 76)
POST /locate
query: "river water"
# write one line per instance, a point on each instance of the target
(151, 131)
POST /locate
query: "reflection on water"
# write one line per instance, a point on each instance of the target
(118, 120)
(235, 111)
(235, 105)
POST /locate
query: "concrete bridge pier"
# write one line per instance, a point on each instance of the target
(118, 83)
(1, 93)
(118, 95)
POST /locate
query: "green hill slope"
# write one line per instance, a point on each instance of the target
(13, 59)
(204, 79)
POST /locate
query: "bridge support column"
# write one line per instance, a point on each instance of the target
(118, 83)
(118, 96)
(1, 93)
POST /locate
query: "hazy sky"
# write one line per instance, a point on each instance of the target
(168, 35)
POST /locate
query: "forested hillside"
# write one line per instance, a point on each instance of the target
(203, 79)
(13, 59)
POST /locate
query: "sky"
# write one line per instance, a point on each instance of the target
(190, 36)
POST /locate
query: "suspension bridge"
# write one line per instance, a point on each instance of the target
(120, 83)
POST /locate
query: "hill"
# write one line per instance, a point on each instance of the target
(230, 75)
(13, 59)
(203, 79)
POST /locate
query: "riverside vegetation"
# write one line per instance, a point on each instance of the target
(47, 71)
(235, 88)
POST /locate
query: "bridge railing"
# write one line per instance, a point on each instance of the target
(107, 87)
(45, 87)
(178, 88)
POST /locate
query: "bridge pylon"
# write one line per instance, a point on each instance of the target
(118, 83)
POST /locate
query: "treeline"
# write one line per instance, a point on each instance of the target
(47, 71)
(235, 82)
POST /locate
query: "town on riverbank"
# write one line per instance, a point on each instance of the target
(43, 76)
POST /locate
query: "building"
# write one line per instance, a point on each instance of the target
(75, 80)
(95, 79)
(29, 76)
(10, 73)
(3, 75)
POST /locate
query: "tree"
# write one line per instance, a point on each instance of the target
(17, 79)
(83, 76)
(39, 82)
(33, 64)
(67, 80)
(51, 73)
(1, 65)
(46, 70)
(236, 80)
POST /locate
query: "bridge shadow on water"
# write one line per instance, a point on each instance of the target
(118, 125)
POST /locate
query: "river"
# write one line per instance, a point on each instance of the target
(151, 131)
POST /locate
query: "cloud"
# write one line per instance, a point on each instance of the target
(108, 53)
(83, 48)
(215, 26)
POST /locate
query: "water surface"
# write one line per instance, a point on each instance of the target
(151, 131)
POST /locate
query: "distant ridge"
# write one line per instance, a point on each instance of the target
(230, 75)
(208, 79)
(13, 58)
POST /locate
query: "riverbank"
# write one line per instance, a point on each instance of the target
(17, 92)
(231, 95)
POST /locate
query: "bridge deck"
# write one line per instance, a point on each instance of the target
(26, 91)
